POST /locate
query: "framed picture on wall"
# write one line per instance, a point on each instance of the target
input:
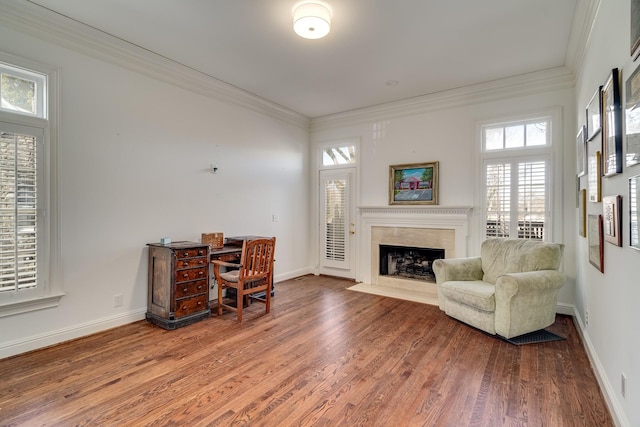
(593, 169)
(632, 118)
(635, 28)
(582, 220)
(596, 250)
(634, 212)
(611, 217)
(413, 184)
(611, 125)
(581, 151)
(593, 114)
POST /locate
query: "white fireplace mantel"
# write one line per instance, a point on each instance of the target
(425, 217)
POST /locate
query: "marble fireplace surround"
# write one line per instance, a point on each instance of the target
(418, 226)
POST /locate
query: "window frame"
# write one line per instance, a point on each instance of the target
(49, 290)
(551, 153)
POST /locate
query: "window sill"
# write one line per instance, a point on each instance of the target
(33, 304)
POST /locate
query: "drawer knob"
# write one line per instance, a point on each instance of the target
(199, 302)
(184, 307)
(199, 287)
(185, 263)
(184, 290)
(185, 275)
(201, 262)
(185, 254)
(201, 273)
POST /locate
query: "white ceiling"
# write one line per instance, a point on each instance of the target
(427, 46)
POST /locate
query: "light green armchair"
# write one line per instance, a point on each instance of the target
(511, 289)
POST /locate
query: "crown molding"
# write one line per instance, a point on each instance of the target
(581, 29)
(50, 26)
(516, 86)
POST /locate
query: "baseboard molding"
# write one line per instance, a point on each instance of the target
(619, 417)
(35, 342)
(292, 274)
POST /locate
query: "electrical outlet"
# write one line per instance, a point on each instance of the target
(117, 300)
(623, 384)
(586, 318)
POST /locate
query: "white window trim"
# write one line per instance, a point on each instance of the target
(51, 290)
(555, 153)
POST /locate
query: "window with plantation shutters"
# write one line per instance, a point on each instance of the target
(18, 211)
(29, 246)
(517, 159)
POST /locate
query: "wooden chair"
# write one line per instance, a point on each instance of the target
(254, 274)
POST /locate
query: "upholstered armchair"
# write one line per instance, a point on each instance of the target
(511, 289)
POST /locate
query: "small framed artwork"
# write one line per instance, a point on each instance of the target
(581, 151)
(413, 184)
(593, 114)
(632, 118)
(596, 250)
(611, 215)
(582, 220)
(634, 212)
(635, 28)
(611, 125)
(593, 170)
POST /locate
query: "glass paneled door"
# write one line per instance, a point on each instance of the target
(337, 225)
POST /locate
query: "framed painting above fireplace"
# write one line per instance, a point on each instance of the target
(413, 184)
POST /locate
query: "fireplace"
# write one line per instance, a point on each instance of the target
(417, 227)
(408, 262)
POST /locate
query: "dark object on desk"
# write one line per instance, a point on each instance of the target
(254, 274)
(178, 288)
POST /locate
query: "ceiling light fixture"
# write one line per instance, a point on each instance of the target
(312, 19)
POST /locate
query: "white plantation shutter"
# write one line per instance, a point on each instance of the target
(334, 208)
(532, 199)
(498, 213)
(18, 211)
(516, 203)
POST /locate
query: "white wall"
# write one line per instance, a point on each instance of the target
(411, 133)
(134, 159)
(611, 298)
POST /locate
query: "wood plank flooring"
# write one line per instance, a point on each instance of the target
(324, 356)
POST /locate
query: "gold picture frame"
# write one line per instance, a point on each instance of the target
(594, 173)
(582, 221)
(414, 184)
(596, 250)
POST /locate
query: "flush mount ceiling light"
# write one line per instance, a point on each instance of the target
(312, 19)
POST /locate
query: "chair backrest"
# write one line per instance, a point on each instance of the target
(257, 259)
(503, 255)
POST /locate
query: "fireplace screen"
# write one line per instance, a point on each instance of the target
(409, 262)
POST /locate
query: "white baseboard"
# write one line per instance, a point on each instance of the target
(617, 413)
(35, 342)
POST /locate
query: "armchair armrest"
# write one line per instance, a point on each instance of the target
(457, 269)
(532, 295)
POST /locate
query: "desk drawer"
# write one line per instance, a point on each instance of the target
(188, 289)
(187, 306)
(192, 274)
(191, 252)
(233, 257)
(191, 262)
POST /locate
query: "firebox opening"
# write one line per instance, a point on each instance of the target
(408, 262)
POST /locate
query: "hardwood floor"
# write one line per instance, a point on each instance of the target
(324, 356)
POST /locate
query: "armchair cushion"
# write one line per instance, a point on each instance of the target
(501, 256)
